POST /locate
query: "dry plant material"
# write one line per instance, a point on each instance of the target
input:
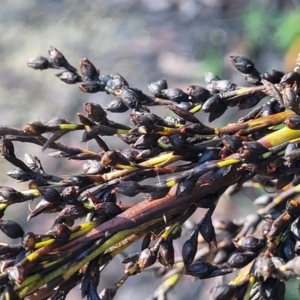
(260, 150)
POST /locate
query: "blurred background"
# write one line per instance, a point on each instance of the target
(144, 41)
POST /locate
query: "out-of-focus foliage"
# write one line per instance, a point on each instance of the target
(288, 29)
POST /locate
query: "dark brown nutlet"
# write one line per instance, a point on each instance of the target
(38, 63)
(61, 232)
(242, 64)
(166, 253)
(11, 228)
(88, 71)
(201, 269)
(198, 94)
(189, 248)
(146, 259)
(293, 122)
(249, 243)
(95, 112)
(155, 88)
(240, 260)
(29, 241)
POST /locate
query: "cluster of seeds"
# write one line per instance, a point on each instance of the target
(261, 150)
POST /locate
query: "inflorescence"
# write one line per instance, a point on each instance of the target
(202, 163)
